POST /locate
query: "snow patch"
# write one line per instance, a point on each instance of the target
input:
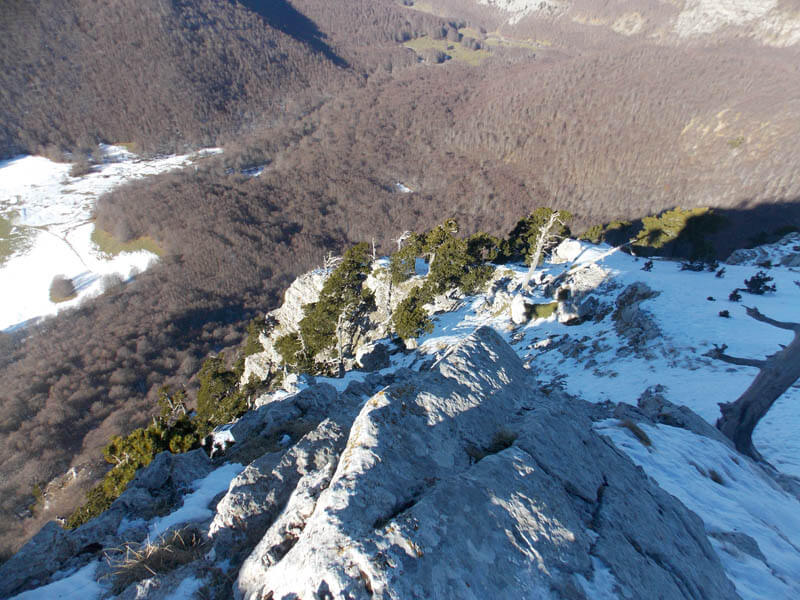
(81, 585)
(53, 211)
(520, 9)
(700, 17)
(195, 505)
(746, 501)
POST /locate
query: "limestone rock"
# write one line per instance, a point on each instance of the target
(567, 251)
(786, 252)
(303, 290)
(259, 365)
(464, 481)
(521, 310)
(574, 311)
(653, 403)
(259, 493)
(33, 565)
(631, 321)
(577, 282)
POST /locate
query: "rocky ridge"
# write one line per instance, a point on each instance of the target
(459, 470)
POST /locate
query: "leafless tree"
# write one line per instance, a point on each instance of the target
(546, 237)
(776, 374)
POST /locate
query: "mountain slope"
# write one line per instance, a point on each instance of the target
(499, 440)
(157, 74)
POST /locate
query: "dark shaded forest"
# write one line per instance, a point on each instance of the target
(325, 96)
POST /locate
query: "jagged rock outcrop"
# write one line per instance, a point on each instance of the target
(784, 252)
(370, 328)
(464, 481)
(631, 321)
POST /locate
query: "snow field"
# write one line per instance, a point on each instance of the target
(54, 211)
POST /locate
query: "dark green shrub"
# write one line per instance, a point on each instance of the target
(679, 232)
(172, 431)
(759, 284)
(402, 262)
(409, 319)
(251, 343)
(290, 347)
(483, 247)
(343, 295)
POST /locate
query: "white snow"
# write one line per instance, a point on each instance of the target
(51, 212)
(196, 505)
(706, 16)
(187, 589)
(402, 188)
(81, 585)
(746, 501)
(519, 9)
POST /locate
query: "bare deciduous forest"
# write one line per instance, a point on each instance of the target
(326, 96)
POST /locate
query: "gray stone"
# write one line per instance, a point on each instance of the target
(785, 252)
(36, 561)
(653, 404)
(465, 481)
(373, 357)
(258, 494)
(631, 321)
(521, 310)
(736, 542)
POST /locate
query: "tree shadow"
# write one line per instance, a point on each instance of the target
(282, 16)
(712, 235)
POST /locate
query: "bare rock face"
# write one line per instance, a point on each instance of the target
(464, 481)
(631, 321)
(372, 357)
(785, 252)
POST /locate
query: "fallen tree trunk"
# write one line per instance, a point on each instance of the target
(776, 374)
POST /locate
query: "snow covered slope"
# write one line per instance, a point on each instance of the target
(47, 216)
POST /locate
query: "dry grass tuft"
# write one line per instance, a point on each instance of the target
(637, 431)
(134, 562)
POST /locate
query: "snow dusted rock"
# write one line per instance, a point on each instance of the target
(653, 404)
(577, 282)
(372, 357)
(33, 565)
(631, 321)
(464, 481)
(521, 310)
(303, 290)
(784, 252)
(567, 251)
(446, 302)
(575, 311)
(260, 492)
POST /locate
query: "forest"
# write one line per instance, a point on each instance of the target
(332, 102)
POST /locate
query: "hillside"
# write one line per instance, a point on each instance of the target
(348, 121)
(498, 437)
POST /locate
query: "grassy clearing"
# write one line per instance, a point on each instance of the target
(498, 41)
(543, 311)
(108, 244)
(12, 240)
(453, 49)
